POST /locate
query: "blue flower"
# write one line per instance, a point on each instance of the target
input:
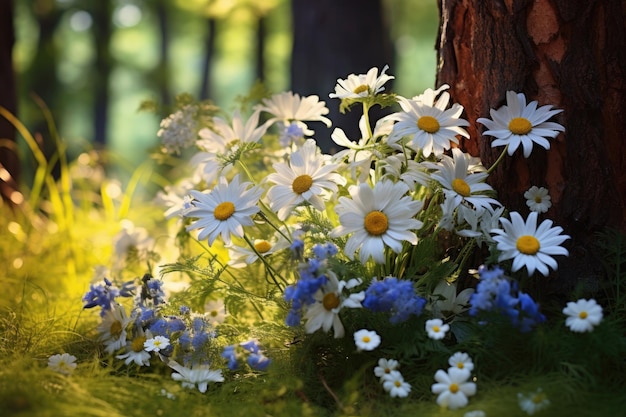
(394, 296)
(230, 354)
(258, 361)
(101, 295)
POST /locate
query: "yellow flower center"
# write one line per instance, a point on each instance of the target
(361, 88)
(520, 126)
(376, 223)
(213, 313)
(461, 187)
(454, 388)
(428, 124)
(224, 210)
(397, 384)
(538, 199)
(537, 398)
(262, 246)
(582, 315)
(366, 339)
(137, 344)
(330, 301)
(387, 370)
(528, 245)
(460, 365)
(436, 329)
(116, 329)
(302, 184)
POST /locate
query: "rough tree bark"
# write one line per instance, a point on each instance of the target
(568, 53)
(331, 40)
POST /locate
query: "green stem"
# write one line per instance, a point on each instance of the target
(500, 158)
(268, 267)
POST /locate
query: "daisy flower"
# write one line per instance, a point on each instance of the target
(362, 85)
(135, 351)
(532, 402)
(224, 210)
(385, 366)
(291, 111)
(112, 329)
(529, 245)
(328, 301)
(537, 199)
(460, 185)
(195, 375)
(453, 388)
(132, 240)
(62, 363)
(445, 298)
(304, 179)
(366, 339)
(583, 315)
(156, 344)
(377, 218)
(517, 123)
(461, 360)
(429, 125)
(395, 384)
(215, 311)
(436, 329)
(242, 256)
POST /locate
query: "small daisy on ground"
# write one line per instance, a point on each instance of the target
(583, 315)
(377, 218)
(537, 199)
(385, 366)
(517, 123)
(366, 339)
(453, 388)
(156, 344)
(63, 363)
(328, 301)
(112, 329)
(195, 375)
(529, 245)
(532, 402)
(436, 329)
(135, 351)
(429, 125)
(224, 210)
(395, 385)
(461, 360)
(362, 85)
(303, 180)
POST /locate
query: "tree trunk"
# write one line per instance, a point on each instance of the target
(568, 53)
(103, 66)
(331, 40)
(9, 161)
(209, 44)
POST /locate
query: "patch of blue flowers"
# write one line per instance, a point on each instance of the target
(395, 296)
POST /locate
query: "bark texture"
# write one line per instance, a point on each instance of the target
(568, 53)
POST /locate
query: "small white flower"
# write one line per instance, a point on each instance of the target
(475, 413)
(436, 329)
(366, 339)
(215, 311)
(112, 329)
(395, 384)
(135, 351)
(583, 315)
(385, 366)
(517, 123)
(165, 393)
(445, 298)
(533, 401)
(62, 363)
(178, 131)
(537, 199)
(156, 344)
(362, 85)
(461, 360)
(453, 388)
(198, 375)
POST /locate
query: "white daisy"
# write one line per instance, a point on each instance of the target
(517, 123)
(429, 125)
(304, 179)
(460, 185)
(195, 375)
(215, 311)
(537, 199)
(241, 256)
(395, 384)
(445, 299)
(366, 339)
(135, 351)
(461, 360)
(529, 245)
(532, 402)
(377, 218)
(453, 388)
(362, 85)
(289, 108)
(133, 241)
(156, 344)
(329, 300)
(176, 198)
(113, 327)
(385, 366)
(583, 315)
(436, 328)
(225, 210)
(63, 363)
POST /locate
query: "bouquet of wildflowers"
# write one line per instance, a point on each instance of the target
(363, 249)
